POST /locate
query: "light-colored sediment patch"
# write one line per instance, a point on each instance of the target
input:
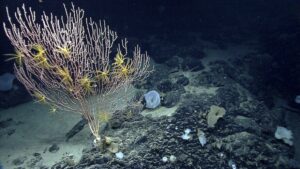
(37, 131)
(201, 89)
(159, 112)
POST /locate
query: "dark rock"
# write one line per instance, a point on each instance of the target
(115, 123)
(228, 96)
(103, 127)
(6, 123)
(160, 72)
(140, 139)
(93, 156)
(76, 129)
(210, 79)
(11, 132)
(96, 166)
(19, 160)
(262, 115)
(192, 64)
(54, 148)
(183, 157)
(182, 80)
(240, 144)
(36, 154)
(34, 162)
(170, 99)
(165, 86)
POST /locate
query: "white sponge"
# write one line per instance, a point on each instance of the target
(284, 134)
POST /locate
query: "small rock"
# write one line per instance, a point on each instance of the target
(19, 160)
(34, 162)
(36, 154)
(247, 123)
(165, 86)
(192, 64)
(54, 148)
(182, 80)
(76, 129)
(240, 143)
(183, 157)
(6, 123)
(115, 123)
(171, 99)
(140, 139)
(11, 131)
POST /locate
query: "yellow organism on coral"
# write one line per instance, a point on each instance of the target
(64, 74)
(119, 59)
(65, 51)
(86, 83)
(39, 56)
(70, 89)
(41, 98)
(124, 70)
(39, 52)
(102, 75)
(104, 117)
(43, 62)
(18, 56)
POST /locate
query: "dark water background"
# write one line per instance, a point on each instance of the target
(275, 23)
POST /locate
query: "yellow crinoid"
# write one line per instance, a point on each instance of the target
(41, 98)
(65, 51)
(119, 59)
(43, 63)
(38, 51)
(18, 56)
(104, 116)
(123, 71)
(64, 75)
(39, 56)
(86, 83)
(102, 75)
(122, 66)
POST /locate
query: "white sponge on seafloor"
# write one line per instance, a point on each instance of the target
(284, 134)
(152, 99)
(6, 81)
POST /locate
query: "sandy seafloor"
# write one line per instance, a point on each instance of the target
(36, 129)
